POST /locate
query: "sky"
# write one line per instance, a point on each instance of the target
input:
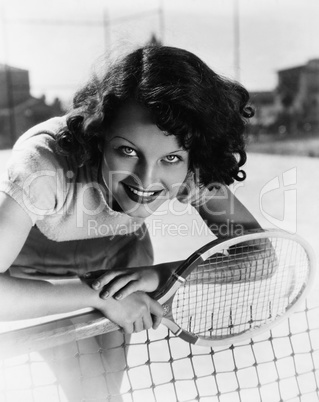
(59, 40)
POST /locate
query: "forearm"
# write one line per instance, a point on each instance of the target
(226, 216)
(25, 298)
(165, 271)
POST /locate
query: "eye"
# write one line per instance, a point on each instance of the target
(172, 159)
(127, 151)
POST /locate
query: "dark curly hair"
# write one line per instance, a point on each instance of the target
(206, 113)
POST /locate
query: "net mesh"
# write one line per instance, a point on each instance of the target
(279, 365)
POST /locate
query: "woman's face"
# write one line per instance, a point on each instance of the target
(142, 167)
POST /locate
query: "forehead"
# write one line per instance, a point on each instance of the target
(134, 123)
(131, 113)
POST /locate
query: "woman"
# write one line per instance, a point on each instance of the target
(158, 124)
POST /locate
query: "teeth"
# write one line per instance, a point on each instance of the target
(141, 193)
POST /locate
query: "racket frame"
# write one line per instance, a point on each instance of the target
(166, 295)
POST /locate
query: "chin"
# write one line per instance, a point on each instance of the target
(137, 208)
(140, 211)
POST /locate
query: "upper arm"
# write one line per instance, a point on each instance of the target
(225, 214)
(15, 226)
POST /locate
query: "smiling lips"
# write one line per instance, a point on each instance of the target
(140, 196)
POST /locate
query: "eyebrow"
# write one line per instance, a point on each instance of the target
(122, 138)
(172, 152)
(177, 150)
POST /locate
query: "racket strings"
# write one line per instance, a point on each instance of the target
(253, 289)
(240, 263)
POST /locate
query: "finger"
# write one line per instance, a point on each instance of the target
(148, 321)
(131, 287)
(156, 321)
(116, 285)
(128, 329)
(90, 276)
(139, 325)
(105, 279)
(157, 313)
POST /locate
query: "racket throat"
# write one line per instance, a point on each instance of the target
(178, 331)
(178, 278)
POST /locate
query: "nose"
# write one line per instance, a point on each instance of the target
(147, 175)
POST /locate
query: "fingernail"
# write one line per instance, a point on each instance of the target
(96, 284)
(105, 295)
(118, 297)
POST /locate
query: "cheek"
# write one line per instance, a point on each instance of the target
(113, 178)
(111, 162)
(174, 180)
(115, 169)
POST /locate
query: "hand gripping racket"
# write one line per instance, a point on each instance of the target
(229, 290)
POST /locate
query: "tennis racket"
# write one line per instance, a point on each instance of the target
(233, 289)
(227, 291)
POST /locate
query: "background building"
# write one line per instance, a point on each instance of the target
(293, 107)
(19, 110)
